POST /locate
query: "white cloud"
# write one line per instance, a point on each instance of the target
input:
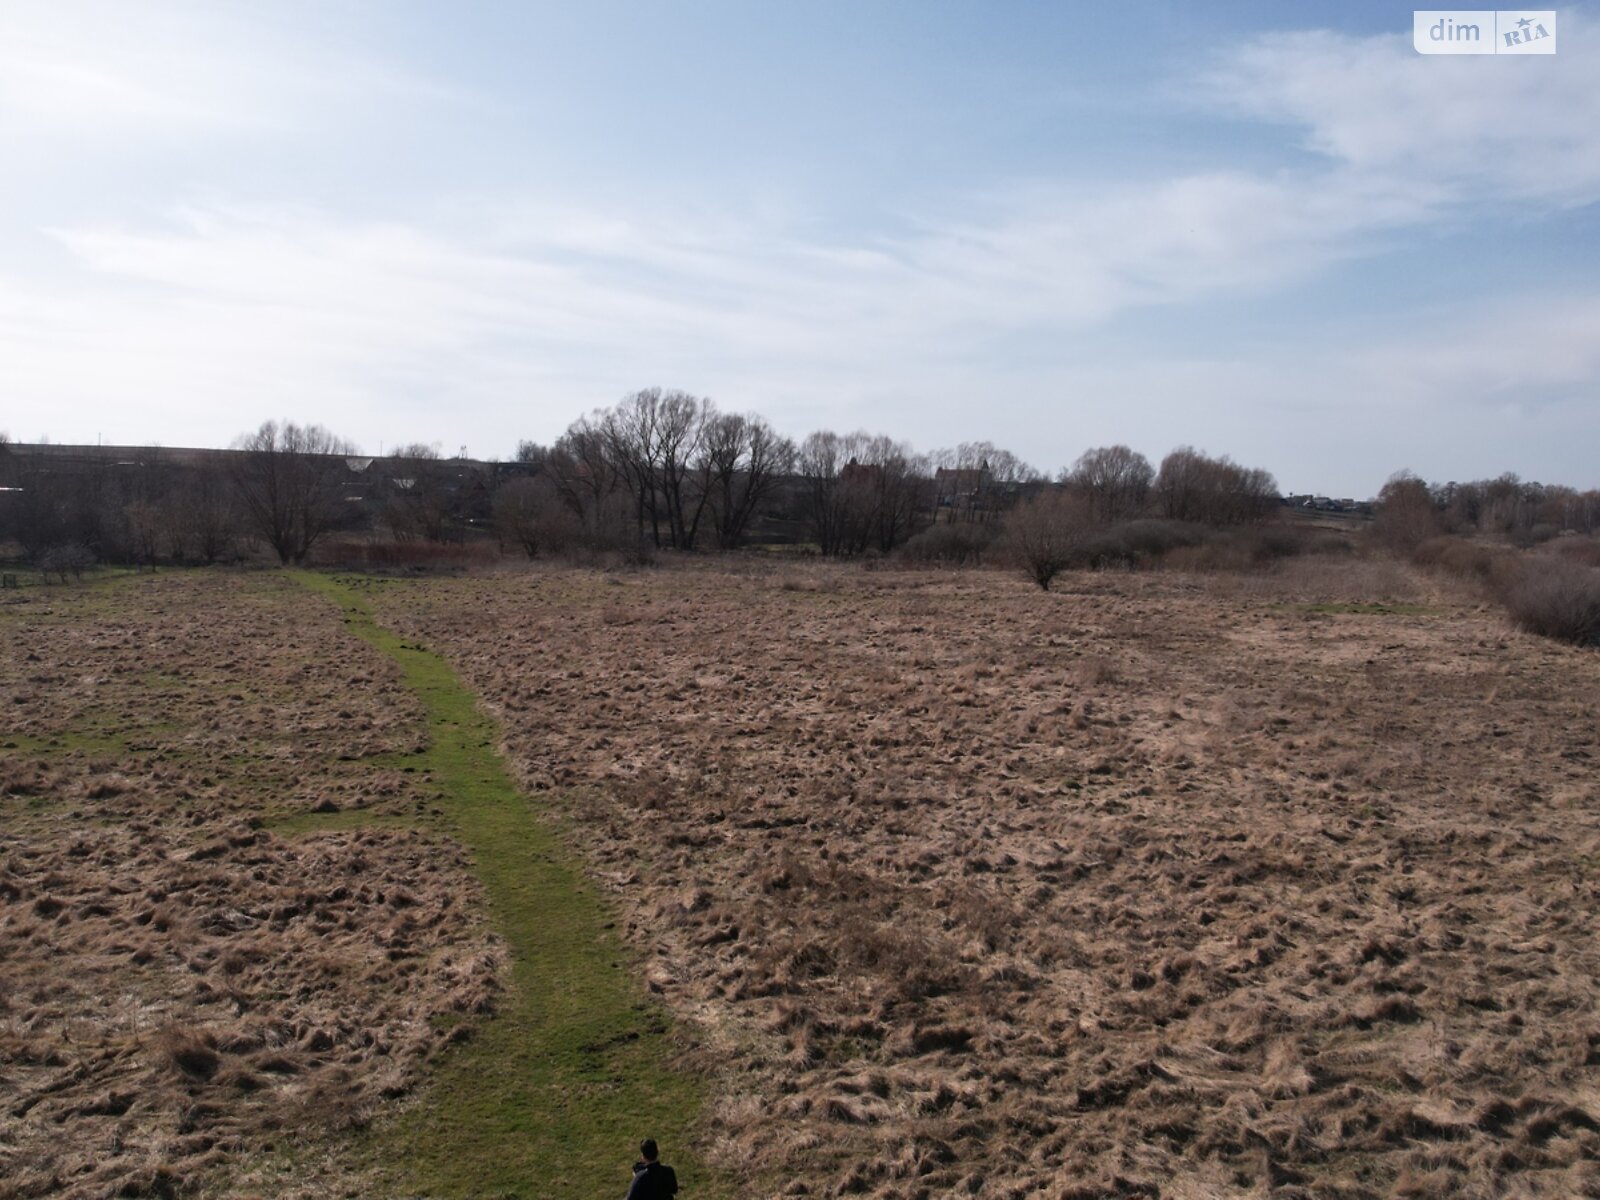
(1458, 128)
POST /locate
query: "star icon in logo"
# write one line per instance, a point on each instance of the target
(1524, 23)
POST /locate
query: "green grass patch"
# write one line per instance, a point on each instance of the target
(551, 1095)
(67, 741)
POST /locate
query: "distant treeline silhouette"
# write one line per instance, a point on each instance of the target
(659, 470)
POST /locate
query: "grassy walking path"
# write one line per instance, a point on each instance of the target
(551, 1096)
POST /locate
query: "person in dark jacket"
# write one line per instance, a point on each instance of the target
(652, 1179)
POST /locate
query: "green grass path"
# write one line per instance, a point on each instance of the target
(551, 1096)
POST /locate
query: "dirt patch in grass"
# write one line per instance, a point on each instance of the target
(1153, 885)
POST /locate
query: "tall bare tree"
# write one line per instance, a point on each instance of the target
(822, 462)
(1114, 479)
(653, 441)
(745, 459)
(289, 480)
(201, 516)
(898, 481)
(632, 442)
(682, 476)
(585, 474)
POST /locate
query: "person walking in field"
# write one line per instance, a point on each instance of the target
(652, 1179)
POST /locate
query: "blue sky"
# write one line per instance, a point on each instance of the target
(1268, 230)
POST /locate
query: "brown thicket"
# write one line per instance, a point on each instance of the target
(1557, 598)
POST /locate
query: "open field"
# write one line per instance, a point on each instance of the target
(1152, 885)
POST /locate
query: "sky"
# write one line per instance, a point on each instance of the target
(1272, 231)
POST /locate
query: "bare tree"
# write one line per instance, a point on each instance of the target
(860, 490)
(683, 472)
(585, 474)
(200, 517)
(823, 462)
(1508, 505)
(415, 495)
(745, 459)
(631, 441)
(1046, 531)
(289, 480)
(1192, 486)
(1115, 480)
(532, 454)
(145, 527)
(529, 513)
(654, 442)
(518, 509)
(896, 479)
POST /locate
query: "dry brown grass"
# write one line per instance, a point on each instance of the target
(180, 987)
(1153, 885)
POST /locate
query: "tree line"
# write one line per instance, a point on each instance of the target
(668, 470)
(659, 470)
(663, 470)
(1411, 510)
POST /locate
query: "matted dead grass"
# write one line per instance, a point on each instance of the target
(184, 985)
(1153, 885)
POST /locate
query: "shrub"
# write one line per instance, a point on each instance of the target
(1456, 556)
(530, 515)
(1557, 598)
(1273, 542)
(1496, 566)
(1154, 538)
(61, 561)
(1185, 546)
(1327, 542)
(1104, 548)
(1585, 550)
(1221, 554)
(953, 544)
(1046, 533)
(1406, 513)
